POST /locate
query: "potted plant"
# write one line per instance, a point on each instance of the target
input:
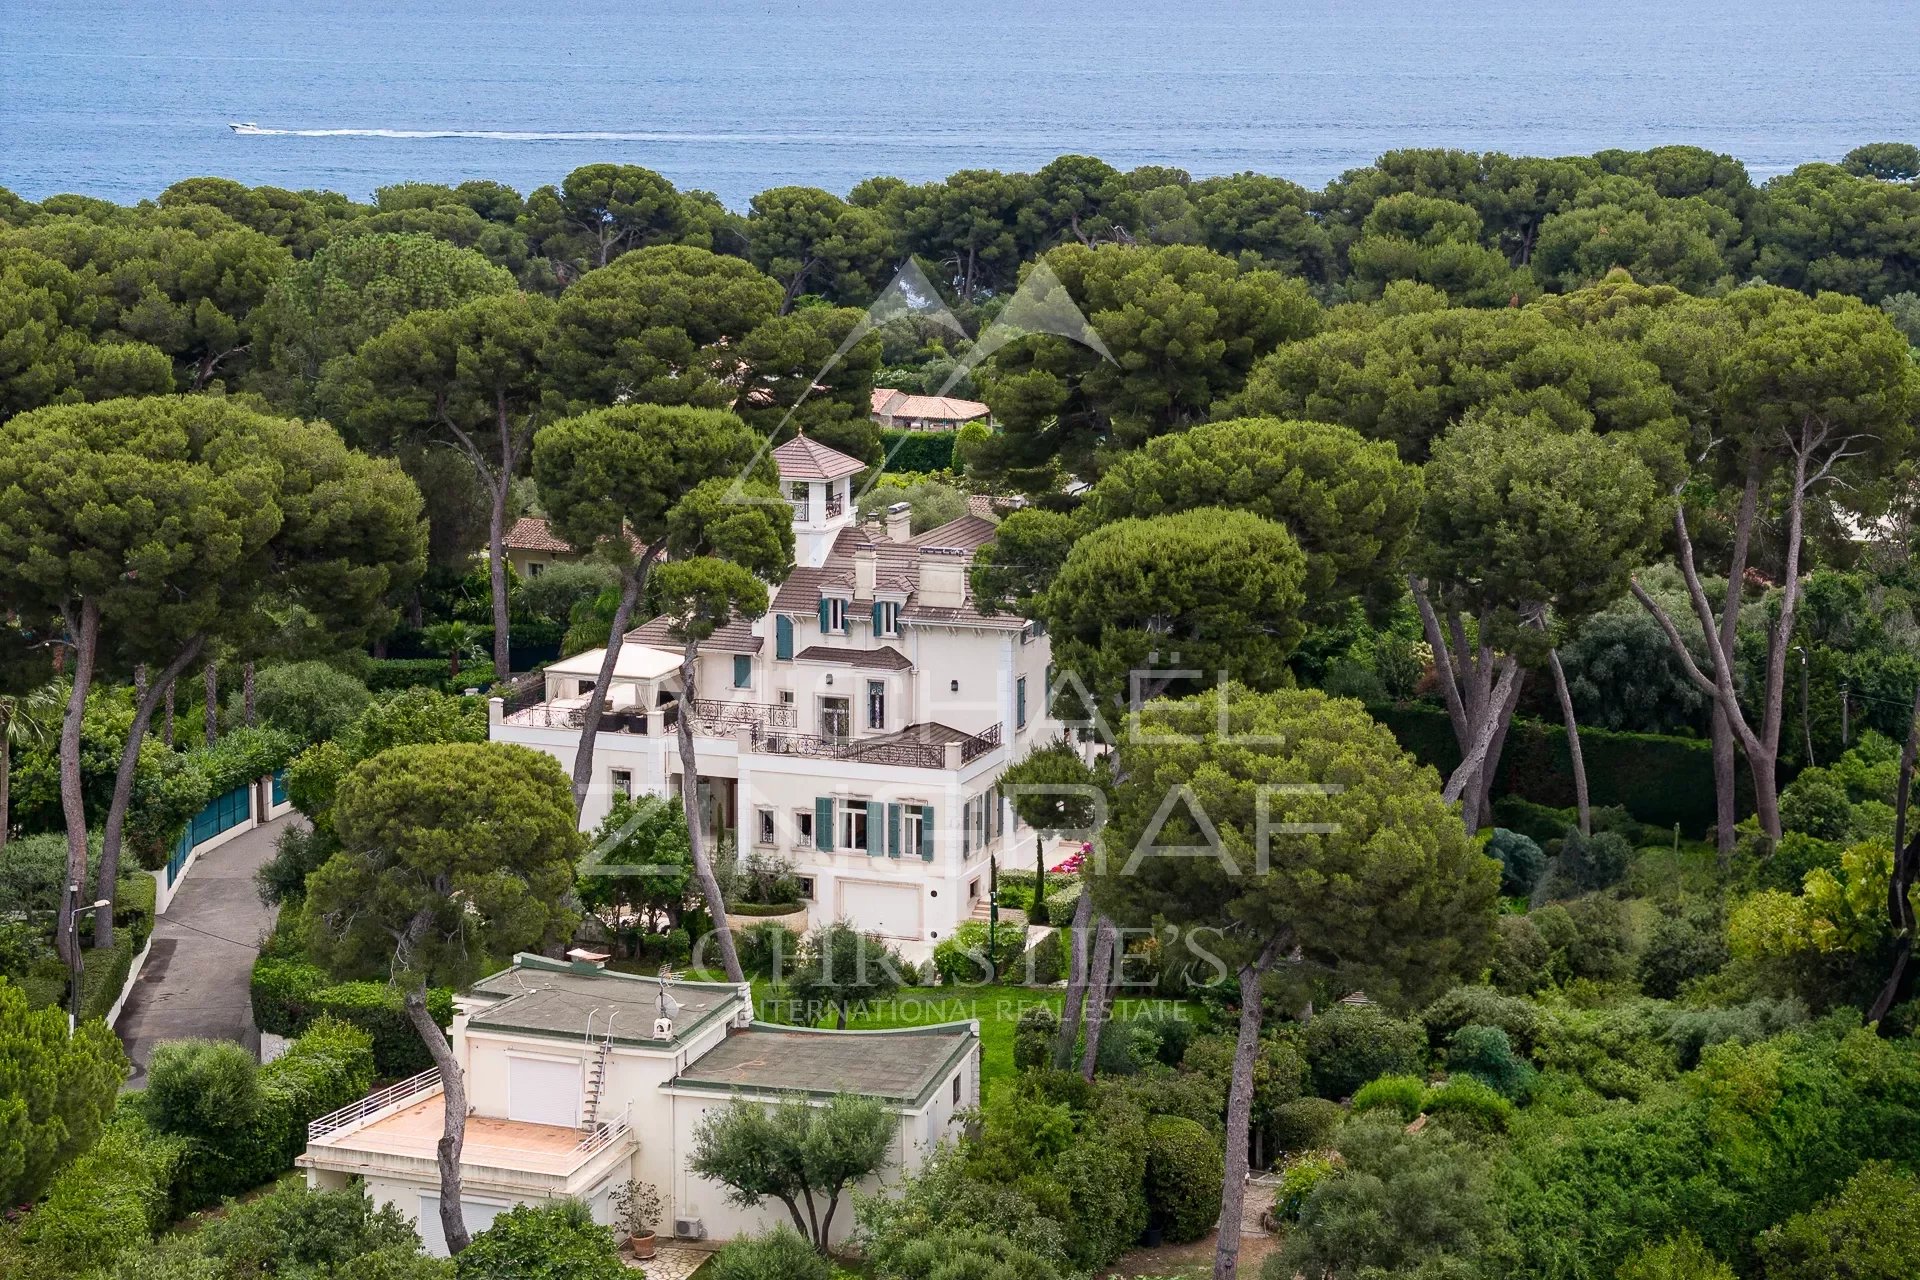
(636, 1210)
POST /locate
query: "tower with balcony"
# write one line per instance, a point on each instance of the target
(818, 482)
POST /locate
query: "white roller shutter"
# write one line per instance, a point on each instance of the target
(479, 1215)
(890, 910)
(540, 1091)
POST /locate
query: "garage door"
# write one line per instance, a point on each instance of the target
(543, 1092)
(479, 1215)
(873, 906)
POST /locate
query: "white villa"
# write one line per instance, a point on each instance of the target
(578, 1079)
(858, 729)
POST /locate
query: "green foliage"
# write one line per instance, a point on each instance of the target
(780, 1253)
(1686, 942)
(1486, 1054)
(554, 1241)
(1305, 1124)
(313, 701)
(1584, 938)
(1816, 804)
(1403, 1094)
(290, 1230)
(790, 1151)
(115, 1196)
(202, 1090)
(639, 832)
(963, 955)
(1348, 1045)
(1482, 1006)
(553, 594)
(838, 966)
(1297, 1182)
(919, 451)
(1598, 861)
(55, 1092)
(1469, 1104)
(767, 948)
(1681, 1258)
(1033, 1038)
(408, 717)
(1521, 862)
(1184, 1170)
(1398, 1201)
(1858, 1232)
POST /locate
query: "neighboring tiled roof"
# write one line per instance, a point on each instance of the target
(804, 459)
(981, 504)
(885, 658)
(888, 402)
(969, 533)
(735, 637)
(898, 569)
(531, 533)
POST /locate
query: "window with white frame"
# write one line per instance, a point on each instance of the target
(853, 824)
(836, 615)
(803, 827)
(763, 826)
(887, 614)
(876, 704)
(622, 782)
(912, 829)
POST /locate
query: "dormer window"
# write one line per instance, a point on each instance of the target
(886, 617)
(833, 615)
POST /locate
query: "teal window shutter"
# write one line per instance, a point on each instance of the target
(1020, 703)
(782, 636)
(926, 833)
(876, 829)
(823, 823)
(878, 625)
(826, 616)
(742, 671)
(893, 831)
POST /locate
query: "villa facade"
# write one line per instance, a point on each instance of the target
(858, 730)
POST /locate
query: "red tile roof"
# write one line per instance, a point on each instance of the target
(804, 459)
(532, 533)
(889, 403)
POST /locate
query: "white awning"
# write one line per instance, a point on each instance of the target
(636, 662)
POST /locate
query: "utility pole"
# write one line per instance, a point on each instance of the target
(1846, 717)
(993, 919)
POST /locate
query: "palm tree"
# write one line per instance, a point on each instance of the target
(24, 721)
(454, 639)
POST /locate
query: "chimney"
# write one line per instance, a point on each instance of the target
(866, 568)
(943, 578)
(900, 522)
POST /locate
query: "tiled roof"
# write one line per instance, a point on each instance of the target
(982, 505)
(735, 637)
(885, 658)
(804, 459)
(890, 403)
(531, 533)
(898, 569)
(969, 533)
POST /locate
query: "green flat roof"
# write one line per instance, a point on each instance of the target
(548, 997)
(900, 1066)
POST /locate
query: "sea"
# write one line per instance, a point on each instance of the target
(119, 98)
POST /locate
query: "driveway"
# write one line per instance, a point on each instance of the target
(197, 977)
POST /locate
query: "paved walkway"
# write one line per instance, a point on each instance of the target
(196, 980)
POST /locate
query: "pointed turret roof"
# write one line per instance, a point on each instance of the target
(804, 459)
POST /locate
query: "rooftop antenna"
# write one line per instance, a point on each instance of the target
(667, 1005)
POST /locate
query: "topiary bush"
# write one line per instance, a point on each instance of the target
(1184, 1172)
(1349, 1045)
(1484, 1006)
(779, 1254)
(1522, 862)
(202, 1090)
(1033, 1038)
(1468, 1102)
(1305, 1124)
(1599, 861)
(1402, 1094)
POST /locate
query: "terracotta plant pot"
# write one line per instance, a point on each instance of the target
(642, 1246)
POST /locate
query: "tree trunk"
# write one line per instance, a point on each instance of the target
(1580, 800)
(212, 719)
(1906, 869)
(1726, 809)
(140, 681)
(1246, 1052)
(86, 638)
(1099, 993)
(634, 583)
(246, 693)
(1503, 723)
(1474, 758)
(501, 488)
(6, 767)
(453, 1135)
(696, 821)
(167, 733)
(1069, 1034)
(116, 824)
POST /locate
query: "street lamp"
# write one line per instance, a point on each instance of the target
(73, 954)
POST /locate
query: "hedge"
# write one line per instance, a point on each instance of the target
(1184, 1171)
(383, 675)
(1660, 780)
(918, 450)
(290, 994)
(329, 1066)
(115, 1196)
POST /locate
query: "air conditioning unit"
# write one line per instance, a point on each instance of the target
(689, 1229)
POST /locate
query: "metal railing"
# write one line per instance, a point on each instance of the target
(604, 1135)
(546, 716)
(424, 1083)
(834, 507)
(801, 509)
(716, 717)
(522, 691)
(979, 744)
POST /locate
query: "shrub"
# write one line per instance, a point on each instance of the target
(1520, 956)
(1045, 962)
(1684, 943)
(1403, 1094)
(962, 956)
(1305, 1124)
(1681, 1258)
(298, 852)
(1486, 1054)
(967, 1255)
(1816, 804)
(558, 1240)
(767, 948)
(1297, 1182)
(1184, 1171)
(205, 1090)
(1585, 938)
(1470, 1101)
(1463, 1006)
(56, 1092)
(1173, 1033)
(289, 993)
(1127, 1045)
(1349, 1045)
(559, 587)
(1862, 1232)
(310, 700)
(1033, 1038)
(1521, 861)
(779, 1254)
(292, 1231)
(1598, 861)
(115, 1196)
(387, 675)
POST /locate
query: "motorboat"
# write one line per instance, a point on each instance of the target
(246, 127)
